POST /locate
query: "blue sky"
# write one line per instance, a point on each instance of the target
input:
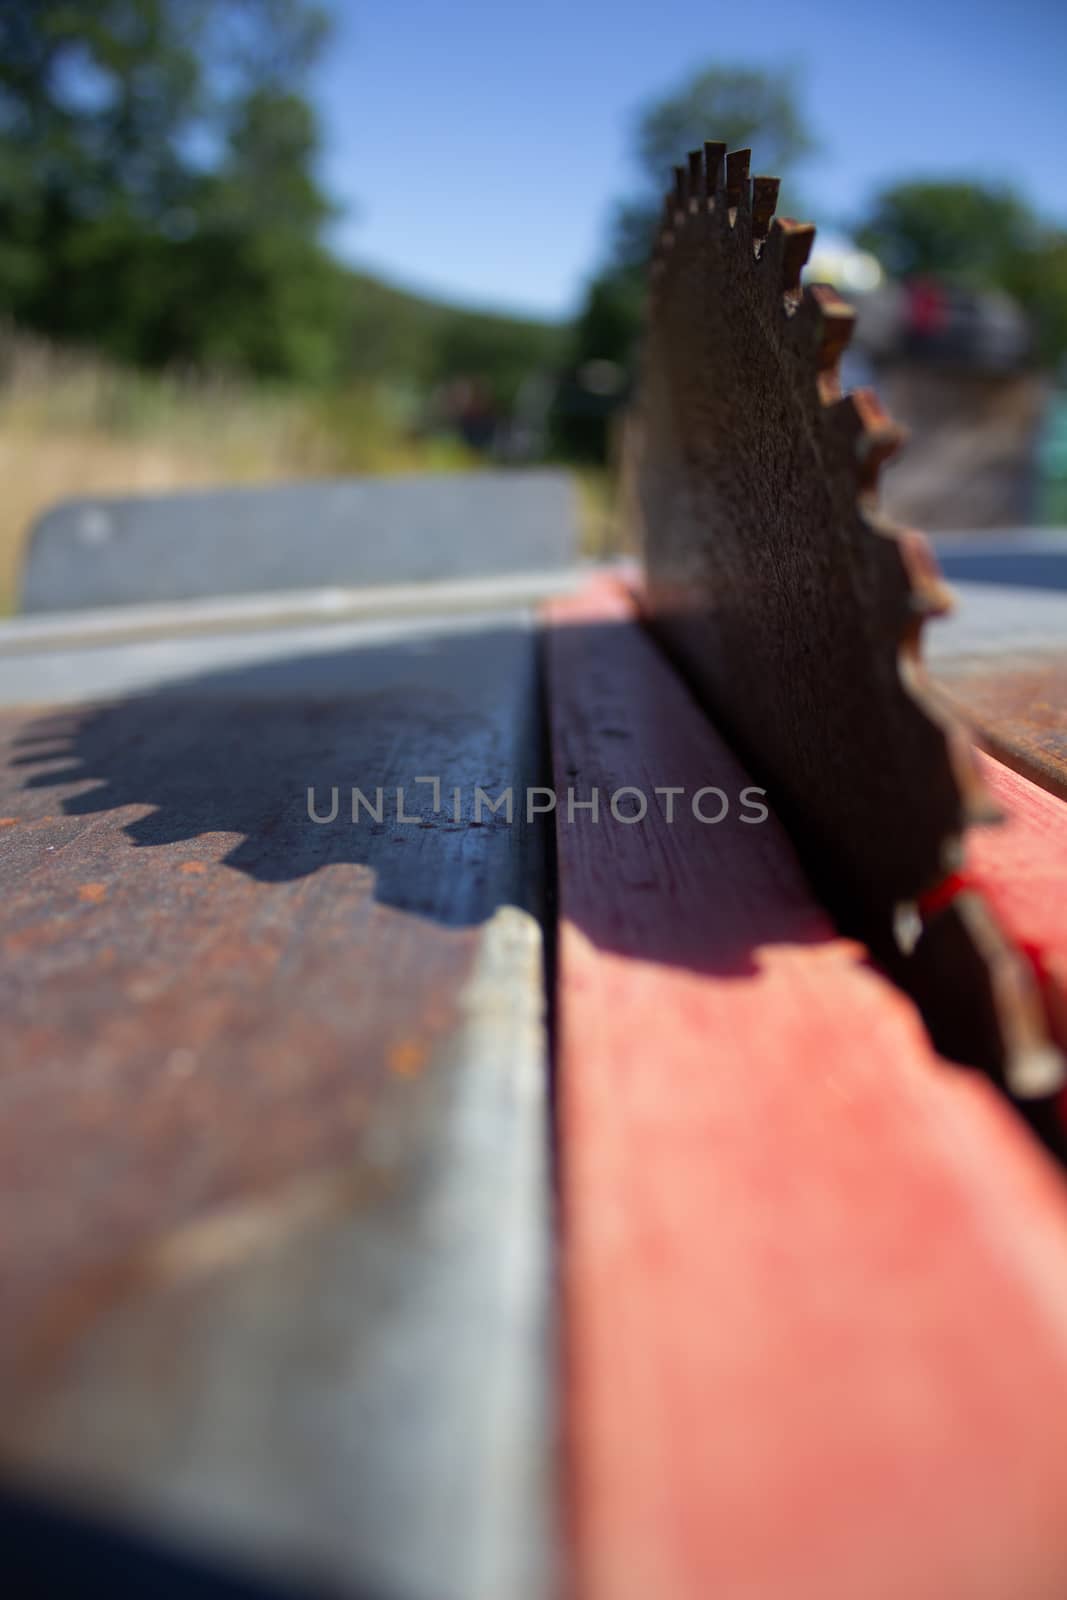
(477, 145)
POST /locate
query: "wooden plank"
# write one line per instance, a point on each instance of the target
(1021, 869)
(1001, 663)
(815, 1279)
(1016, 708)
(273, 1203)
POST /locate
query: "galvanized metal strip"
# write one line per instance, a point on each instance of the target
(82, 671)
(432, 601)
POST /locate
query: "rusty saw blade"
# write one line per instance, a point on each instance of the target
(795, 609)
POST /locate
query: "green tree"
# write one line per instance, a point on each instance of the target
(157, 194)
(965, 232)
(740, 105)
(256, 288)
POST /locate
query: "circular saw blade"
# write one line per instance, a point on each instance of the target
(795, 609)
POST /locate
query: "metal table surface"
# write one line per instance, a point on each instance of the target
(275, 1199)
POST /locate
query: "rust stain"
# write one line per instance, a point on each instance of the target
(193, 1052)
(93, 893)
(8, 822)
(407, 1058)
(32, 938)
(199, 1246)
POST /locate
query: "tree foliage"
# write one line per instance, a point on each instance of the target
(960, 231)
(157, 188)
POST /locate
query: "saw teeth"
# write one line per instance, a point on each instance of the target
(977, 806)
(665, 236)
(875, 449)
(797, 240)
(869, 432)
(764, 200)
(835, 322)
(821, 329)
(737, 179)
(1026, 1062)
(697, 190)
(714, 156)
(930, 594)
(787, 249)
(980, 810)
(748, 248)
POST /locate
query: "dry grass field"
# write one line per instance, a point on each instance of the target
(72, 425)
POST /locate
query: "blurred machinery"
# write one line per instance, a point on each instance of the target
(952, 365)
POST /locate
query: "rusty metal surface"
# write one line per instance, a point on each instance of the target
(792, 606)
(228, 1167)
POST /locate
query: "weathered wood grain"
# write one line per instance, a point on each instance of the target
(815, 1278)
(1001, 663)
(1020, 868)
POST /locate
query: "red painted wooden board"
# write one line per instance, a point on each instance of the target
(1021, 869)
(815, 1278)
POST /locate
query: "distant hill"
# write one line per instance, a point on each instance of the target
(393, 334)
